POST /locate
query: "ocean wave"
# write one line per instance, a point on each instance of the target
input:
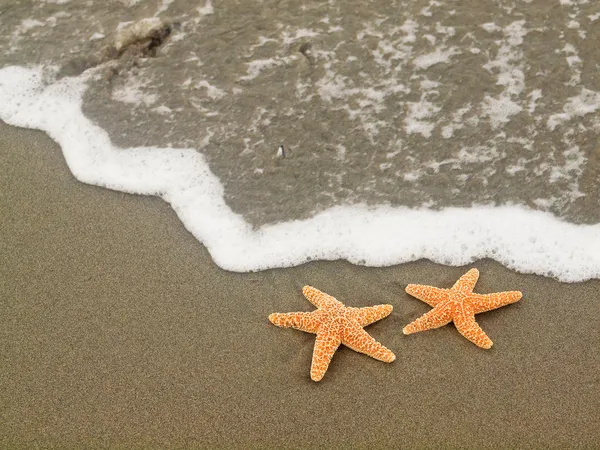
(523, 239)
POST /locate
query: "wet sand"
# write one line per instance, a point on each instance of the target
(117, 329)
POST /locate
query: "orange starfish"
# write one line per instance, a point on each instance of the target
(459, 305)
(335, 324)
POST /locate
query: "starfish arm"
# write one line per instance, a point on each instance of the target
(470, 329)
(298, 320)
(429, 294)
(483, 303)
(433, 319)
(371, 314)
(318, 298)
(360, 341)
(467, 282)
(325, 346)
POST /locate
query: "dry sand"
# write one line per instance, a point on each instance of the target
(117, 329)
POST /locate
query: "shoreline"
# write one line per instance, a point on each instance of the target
(378, 235)
(118, 329)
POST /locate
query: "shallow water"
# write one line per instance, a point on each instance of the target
(405, 103)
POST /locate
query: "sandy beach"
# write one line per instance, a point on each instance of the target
(117, 330)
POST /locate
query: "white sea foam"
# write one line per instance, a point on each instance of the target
(212, 91)
(207, 9)
(584, 103)
(439, 55)
(133, 92)
(257, 66)
(418, 111)
(525, 240)
(508, 65)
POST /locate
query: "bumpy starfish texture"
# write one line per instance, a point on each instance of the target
(335, 324)
(459, 305)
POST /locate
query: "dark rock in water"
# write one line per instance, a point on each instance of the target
(143, 37)
(139, 40)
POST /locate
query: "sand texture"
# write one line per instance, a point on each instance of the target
(117, 329)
